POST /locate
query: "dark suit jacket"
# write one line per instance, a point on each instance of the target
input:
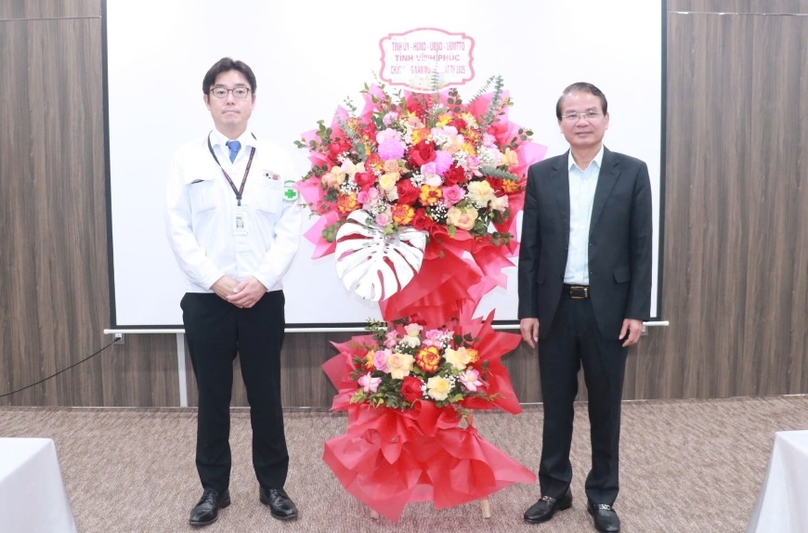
(620, 242)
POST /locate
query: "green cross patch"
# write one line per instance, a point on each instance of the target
(290, 194)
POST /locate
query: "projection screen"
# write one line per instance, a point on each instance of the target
(308, 57)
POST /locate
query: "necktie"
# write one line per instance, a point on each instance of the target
(234, 147)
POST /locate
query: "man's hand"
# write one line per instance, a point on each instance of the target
(247, 293)
(630, 331)
(530, 331)
(224, 287)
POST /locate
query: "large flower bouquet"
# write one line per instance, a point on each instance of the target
(433, 162)
(443, 176)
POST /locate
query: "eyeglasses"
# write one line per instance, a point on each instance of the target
(587, 115)
(240, 93)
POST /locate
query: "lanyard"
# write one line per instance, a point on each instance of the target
(240, 190)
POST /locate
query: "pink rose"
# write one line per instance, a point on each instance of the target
(452, 195)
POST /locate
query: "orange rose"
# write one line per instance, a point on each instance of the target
(347, 203)
(402, 214)
(430, 195)
(428, 359)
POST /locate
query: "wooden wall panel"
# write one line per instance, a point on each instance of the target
(735, 285)
(54, 288)
(49, 9)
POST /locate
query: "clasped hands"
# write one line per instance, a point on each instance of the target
(243, 294)
(629, 333)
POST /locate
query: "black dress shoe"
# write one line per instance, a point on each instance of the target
(207, 510)
(606, 519)
(280, 504)
(544, 509)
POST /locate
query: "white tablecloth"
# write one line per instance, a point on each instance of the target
(32, 495)
(782, 506)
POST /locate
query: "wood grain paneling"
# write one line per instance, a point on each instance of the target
(49, 9)
(735, 272)
(750, 7)
(735, 285)
(53, 262)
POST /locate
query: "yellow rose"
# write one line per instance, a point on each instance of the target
(499, 203)
(349, 168)
(388, 181)
(510, 158)
(458, 358)
(339, 175)
(329, 180)
(438, 388)
(399, 364)
(481, 193)
(460, 218)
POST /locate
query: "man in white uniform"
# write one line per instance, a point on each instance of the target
(234, 225)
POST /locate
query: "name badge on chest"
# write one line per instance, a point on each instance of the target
(240, 225)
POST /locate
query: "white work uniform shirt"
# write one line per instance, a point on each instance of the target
(202, 210)
(582, 196)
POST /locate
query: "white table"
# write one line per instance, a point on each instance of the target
(32, 495)
(782, 505)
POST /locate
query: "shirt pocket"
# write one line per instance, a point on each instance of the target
(203, 196)
(269, 196)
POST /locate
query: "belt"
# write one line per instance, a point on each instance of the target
(577, 292)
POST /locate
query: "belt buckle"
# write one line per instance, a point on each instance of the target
(579, 292)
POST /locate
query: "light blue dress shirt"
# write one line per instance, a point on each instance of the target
(582, 196)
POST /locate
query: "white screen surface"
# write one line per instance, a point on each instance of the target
(307, 58)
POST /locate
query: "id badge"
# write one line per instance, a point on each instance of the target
(240, 222)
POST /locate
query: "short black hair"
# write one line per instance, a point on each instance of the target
(227, 64)
(584, 87)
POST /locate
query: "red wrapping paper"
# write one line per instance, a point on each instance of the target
(390, 457)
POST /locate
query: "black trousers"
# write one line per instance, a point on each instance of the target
(216, 331)
(573, 341)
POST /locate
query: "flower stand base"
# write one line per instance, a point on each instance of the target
(386, 460)
(485, 507)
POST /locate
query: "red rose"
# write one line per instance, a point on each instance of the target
(421, 221)
(454, 175)
(416, 107)
(374, 162)
(365, 180)
(423, 152)
(459, 124)
(407, 193)
(338, 147)
(367, 130)
(411, 389)
(495, 183)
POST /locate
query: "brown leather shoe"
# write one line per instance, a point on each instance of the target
(207, 510)
(606, 519)
(544, 509)
(280, 504)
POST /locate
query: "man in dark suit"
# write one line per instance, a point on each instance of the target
(584, 290)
